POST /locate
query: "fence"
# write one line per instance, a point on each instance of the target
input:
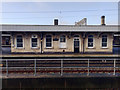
(62, 67)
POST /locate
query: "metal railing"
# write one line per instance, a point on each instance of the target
(77, 66)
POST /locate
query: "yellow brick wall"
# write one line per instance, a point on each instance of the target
(26, 43)
(56, 48)
(97, 46)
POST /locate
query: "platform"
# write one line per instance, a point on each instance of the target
(60, 55)
(6, 52)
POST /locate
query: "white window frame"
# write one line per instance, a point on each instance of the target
(22, 41)
(63, 43)
(37, 41)
(79, 42)
(51, 41)
(88, 42)
(106, 42)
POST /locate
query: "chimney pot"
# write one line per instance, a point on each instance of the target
(55, 21)
(102, 20)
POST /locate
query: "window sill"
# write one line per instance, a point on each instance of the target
(35, 48)
(48, 47)
(5, 45)
(63, 48)
(104, 47)
(20, 48)
(90, 47)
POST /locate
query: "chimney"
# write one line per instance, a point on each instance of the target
(102, 20)
(82, 22)
(55, 21)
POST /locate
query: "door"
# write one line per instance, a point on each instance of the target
(76, 44)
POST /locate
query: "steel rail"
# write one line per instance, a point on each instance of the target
(58, 59)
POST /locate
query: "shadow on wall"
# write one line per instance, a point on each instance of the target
(116, 50)
(6, 50)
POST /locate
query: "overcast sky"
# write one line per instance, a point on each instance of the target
(67, 12)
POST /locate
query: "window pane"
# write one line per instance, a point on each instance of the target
(34, 42)
(48, 44)
(90, 44)
(104, 44)
(90, 36)
(104, 40)
(19, 45)
(19, 37)
(76, 43)
(34, 39)
(90, 41)
(62, 39)
(48, 41)
(19, 41)
(48, 36)
(7, 40)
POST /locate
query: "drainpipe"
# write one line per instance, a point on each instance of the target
(41, 41)
(83, 42)
(41, 46)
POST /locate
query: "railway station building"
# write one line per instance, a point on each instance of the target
(59, 38)
(60, 50)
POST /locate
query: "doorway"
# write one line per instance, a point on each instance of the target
(76, 44)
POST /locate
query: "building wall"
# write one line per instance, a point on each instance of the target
(26, 43)
(56, 44)
(97, 46)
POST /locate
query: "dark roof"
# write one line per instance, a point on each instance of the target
(59, 28)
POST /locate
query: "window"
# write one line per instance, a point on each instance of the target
(76, 41)
(34, 41)
(104, 40)
(19, 41)
(48, 41)
(90, 41)
(76, 38)
(7, 41)
(62, 38)
(62, 41)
